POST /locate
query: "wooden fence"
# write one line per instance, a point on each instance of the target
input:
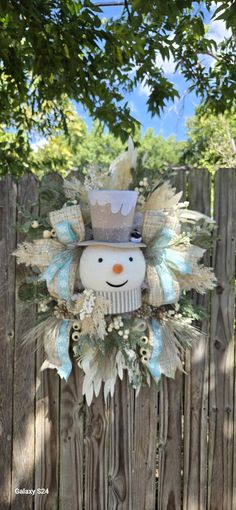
(175, 450)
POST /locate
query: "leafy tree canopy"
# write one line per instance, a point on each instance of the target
(76, 150)
(211, 141)
(50, 49)
(210, 144)
(81, 149)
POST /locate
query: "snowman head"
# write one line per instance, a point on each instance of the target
(113, 269)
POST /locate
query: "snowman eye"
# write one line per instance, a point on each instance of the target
(131, 259)
(100, 259)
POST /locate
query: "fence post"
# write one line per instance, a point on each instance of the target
(221, 396)
(170, 416)
(47, 434)
(8, 193)
(24, 372)
(196, 380)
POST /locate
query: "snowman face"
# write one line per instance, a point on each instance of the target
(112, 269)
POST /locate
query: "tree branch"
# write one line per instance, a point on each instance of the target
(127, 9)
(209, 53)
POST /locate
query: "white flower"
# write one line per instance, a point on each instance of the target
(43, 307)
(88, 292)
(35, 224)
(130, 353)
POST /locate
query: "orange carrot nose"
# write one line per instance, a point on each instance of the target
(117, 268)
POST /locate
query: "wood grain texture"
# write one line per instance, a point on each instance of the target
(170, 444)
(46, 437)
(121, 447)
(144, 475)
(196, 380)
(220, 482)
(170, 418)
(8, 193)
(109, 451)
(234, 425)
(180, 180)
(47, 425)
(24, 373)
(72, 417)
(97, 438)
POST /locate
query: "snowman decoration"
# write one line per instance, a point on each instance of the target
(112, 264)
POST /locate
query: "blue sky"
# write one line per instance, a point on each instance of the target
(173, 119)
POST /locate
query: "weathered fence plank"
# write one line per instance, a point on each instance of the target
(24, 374)
(234, 432)
(8, 193)
(47, 425)
(72, 417)
(97, 439)
(46, 438)
(196, 380)
(144, 452)
(221, 398)
(171, 410)
(170, 444)
(121, 447)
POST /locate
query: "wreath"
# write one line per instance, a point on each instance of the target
(110, 270)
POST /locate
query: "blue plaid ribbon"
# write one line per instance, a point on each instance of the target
(65, 232)
(168, 260)
(62, 347)
(153, 363)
